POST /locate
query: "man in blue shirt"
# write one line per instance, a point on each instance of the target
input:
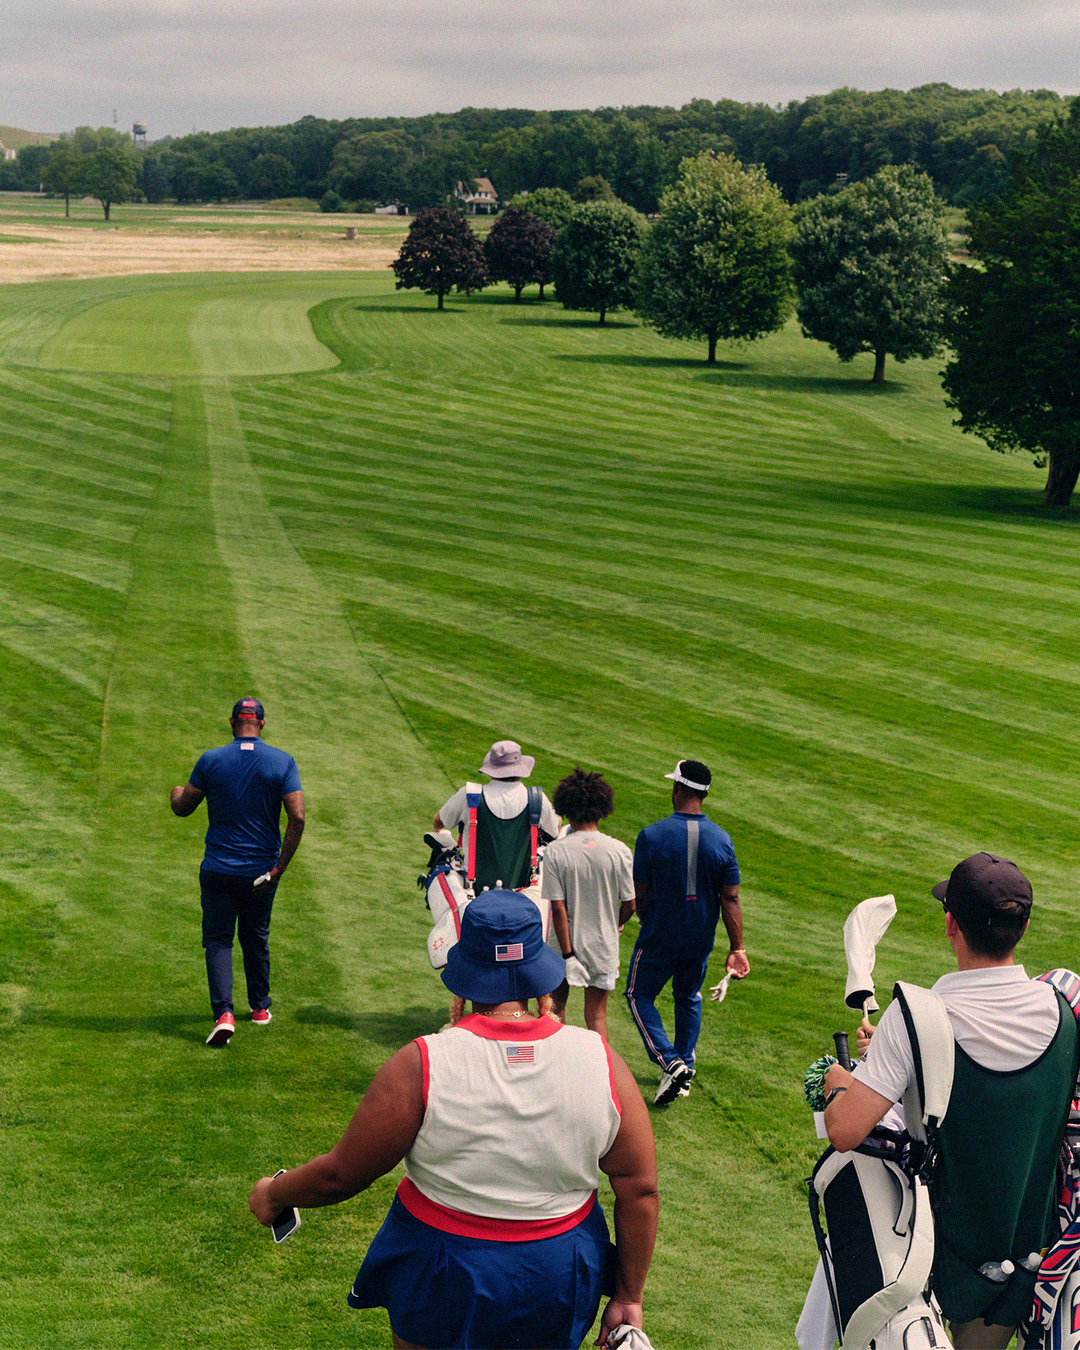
(686, 878)
(245, 785)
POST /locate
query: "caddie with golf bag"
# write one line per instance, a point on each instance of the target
(992, 1157)
(501, 830)
(872, 1285)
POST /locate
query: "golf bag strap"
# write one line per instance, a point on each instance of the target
(473, 793)
(536, 805)
(819, 1235)
(451, 901)
(933, 1055)
(1067, 983)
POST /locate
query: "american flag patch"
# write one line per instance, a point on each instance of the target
(509, 951)
(520, 1054)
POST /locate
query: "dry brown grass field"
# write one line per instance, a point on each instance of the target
(38, 243)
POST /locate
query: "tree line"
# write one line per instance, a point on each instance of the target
(866, 268)
(963, 139)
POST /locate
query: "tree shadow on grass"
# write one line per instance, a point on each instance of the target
(630, 360)
(609, 325)
(801, 384)
(937, 502)
(391, 308)
(392, 1030)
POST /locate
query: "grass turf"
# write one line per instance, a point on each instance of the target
(496, 521)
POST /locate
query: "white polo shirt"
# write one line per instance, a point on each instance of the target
(1002, 1019)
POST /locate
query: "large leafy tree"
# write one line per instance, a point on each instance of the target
(1015, 322)
(65, 172)
(440, 254)
(870, 267)
(594, 257)
(716, 265)
(555, 205)
(112, 173)
(518, 250)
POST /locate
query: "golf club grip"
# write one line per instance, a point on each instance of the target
(843, 1055)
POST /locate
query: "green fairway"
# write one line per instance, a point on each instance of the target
(236, 326)
(410, 534)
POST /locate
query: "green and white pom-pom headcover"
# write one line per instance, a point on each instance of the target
(814, 1082)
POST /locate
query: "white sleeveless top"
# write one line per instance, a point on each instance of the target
(516, 1118)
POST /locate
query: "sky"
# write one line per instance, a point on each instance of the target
(180, 65)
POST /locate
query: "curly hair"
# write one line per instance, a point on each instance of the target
(584, 796)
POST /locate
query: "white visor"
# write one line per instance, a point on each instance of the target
(686, 782)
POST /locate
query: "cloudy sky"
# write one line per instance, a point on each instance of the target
(211, 64)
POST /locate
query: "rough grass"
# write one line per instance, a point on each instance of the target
(496, 521)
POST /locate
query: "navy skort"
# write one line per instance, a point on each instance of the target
(446, 1292)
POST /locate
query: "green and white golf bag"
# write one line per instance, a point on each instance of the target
(877, 1239)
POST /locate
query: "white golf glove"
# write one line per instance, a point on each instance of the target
(719, 991)
(576, 974)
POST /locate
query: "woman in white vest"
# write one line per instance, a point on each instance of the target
(504, 1121)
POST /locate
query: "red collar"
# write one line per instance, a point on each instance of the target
(506, 1029)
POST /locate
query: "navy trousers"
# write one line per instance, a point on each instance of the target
(649, 972)
(229, 904)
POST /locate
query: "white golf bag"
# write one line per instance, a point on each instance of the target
(448, 891)
(877, 1243)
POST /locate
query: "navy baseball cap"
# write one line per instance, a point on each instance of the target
(986, 889)
(501, 954)
(248, 707)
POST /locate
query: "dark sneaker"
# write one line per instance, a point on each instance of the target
(675, 1077)
(223, 1030)
(260, 1016)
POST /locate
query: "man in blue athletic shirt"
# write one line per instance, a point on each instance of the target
(686, 878)
(245, 783)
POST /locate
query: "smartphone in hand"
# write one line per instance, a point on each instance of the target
(287, 1222)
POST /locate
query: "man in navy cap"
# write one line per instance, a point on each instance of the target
(995, 1162)
(245, 783)
(686, 878)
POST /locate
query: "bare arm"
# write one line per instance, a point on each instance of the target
(184, 800)
(436, 822)
(641, 897)
(852, 1114)
(379, 1135)
(630, 1165)
(293, 802)
(561, 924)
(731, 912)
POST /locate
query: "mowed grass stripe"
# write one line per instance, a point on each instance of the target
(505, 521)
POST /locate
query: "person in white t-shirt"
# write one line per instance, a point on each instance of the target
(589, 879)
(500, 853)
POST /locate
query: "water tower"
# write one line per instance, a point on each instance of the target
(138, 134)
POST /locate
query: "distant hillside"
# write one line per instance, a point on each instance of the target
(15, 139)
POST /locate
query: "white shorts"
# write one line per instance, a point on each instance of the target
(579, 976)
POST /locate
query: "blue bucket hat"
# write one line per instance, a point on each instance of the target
(501, 954)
